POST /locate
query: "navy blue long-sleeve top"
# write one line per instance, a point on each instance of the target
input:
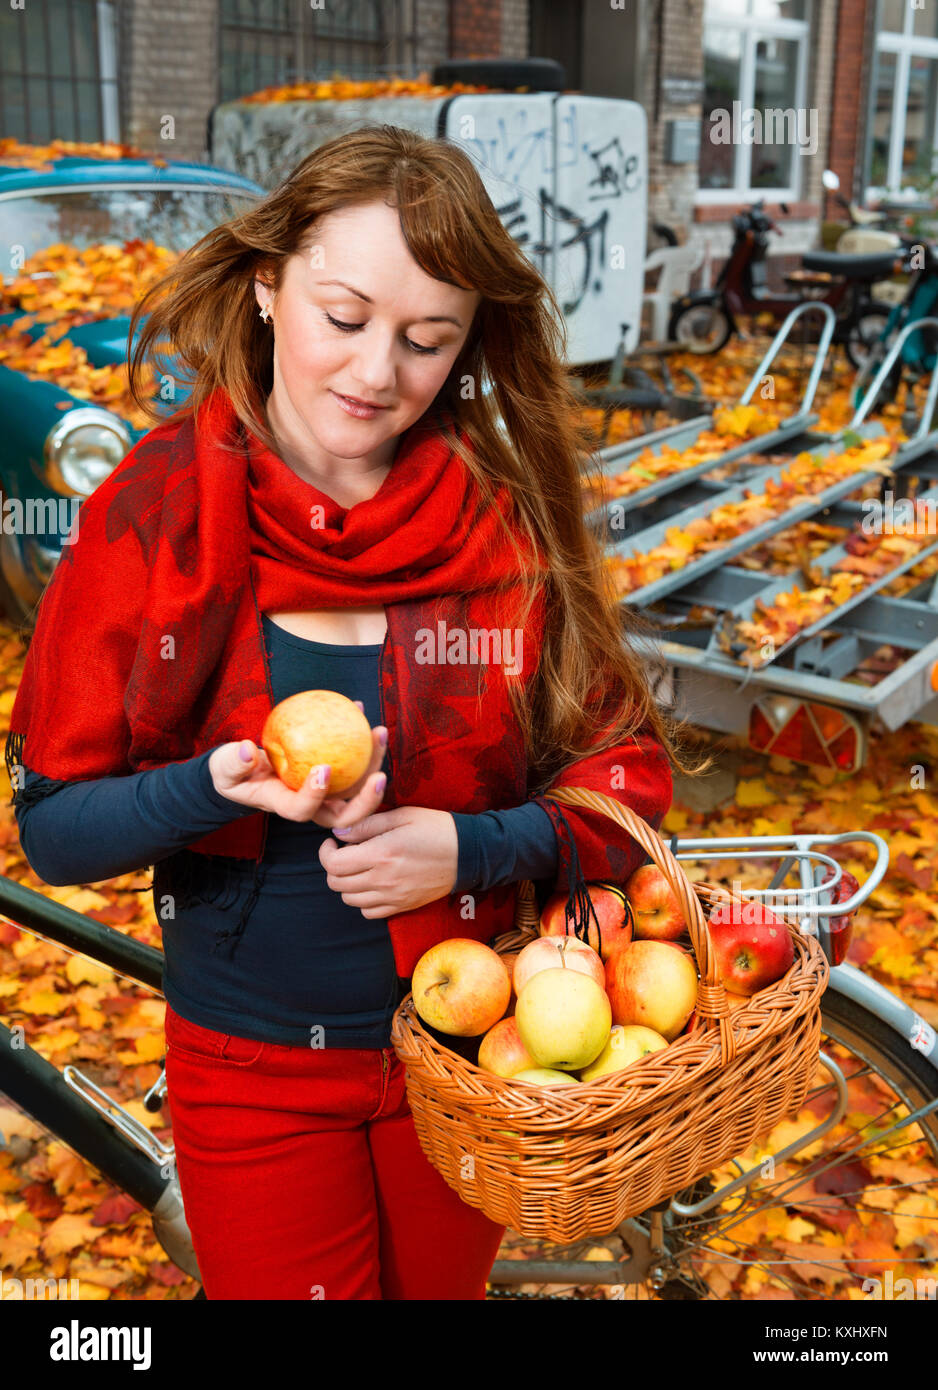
(305, 960)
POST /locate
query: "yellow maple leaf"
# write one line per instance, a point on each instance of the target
(796, 1228)
(916, 1219)
(79, 969)
(79, 899)
(152, 1120)
(56, 1042)
(42, 1002)
(89, 1017)
(66, 1168)
(17, 1248)
(67, 1231)
(899, 964)
(15, 1122)
(752, 791)
(763, 826)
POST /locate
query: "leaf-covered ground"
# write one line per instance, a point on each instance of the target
(59, 1219)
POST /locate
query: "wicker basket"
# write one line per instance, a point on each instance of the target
(562, 1162)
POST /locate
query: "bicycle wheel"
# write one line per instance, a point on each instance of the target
(861, 1199)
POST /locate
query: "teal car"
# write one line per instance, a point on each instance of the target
(56, 448)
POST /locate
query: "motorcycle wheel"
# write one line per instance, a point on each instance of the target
(865, 330)
(701, 328)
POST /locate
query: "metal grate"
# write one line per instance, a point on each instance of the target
(58, 71)
(267, 43)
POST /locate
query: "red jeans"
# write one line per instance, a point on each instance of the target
(302, 1176)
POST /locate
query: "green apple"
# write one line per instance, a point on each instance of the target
(627, 1042)
(564, 1018)
(544, 1076)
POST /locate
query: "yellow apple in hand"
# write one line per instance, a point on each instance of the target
(316, 728)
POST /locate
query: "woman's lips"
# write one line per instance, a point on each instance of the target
(356, 408)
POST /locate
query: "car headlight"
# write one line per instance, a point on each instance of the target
(83, 449)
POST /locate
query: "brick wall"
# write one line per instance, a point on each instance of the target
(475, 28)
(848, 112)
(168, 64)
(431, 26)
(168, 67)
(515, 29)
(674, 40)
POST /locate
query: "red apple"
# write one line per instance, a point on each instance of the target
(510, 957)
(651, 983)
(752, 946)
(656, 911)
(502, 1051)
(549, 952)
(461, 986)
(612, 912)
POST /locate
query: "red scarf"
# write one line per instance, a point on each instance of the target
(147, 649)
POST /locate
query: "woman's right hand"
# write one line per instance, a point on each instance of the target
(255, 783)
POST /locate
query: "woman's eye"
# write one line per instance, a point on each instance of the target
(353, 327)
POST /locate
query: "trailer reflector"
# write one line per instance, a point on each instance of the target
(807, 732)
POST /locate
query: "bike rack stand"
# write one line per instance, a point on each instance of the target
(923, 439)
(618, 457)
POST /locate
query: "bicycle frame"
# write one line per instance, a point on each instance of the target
(82, 1115)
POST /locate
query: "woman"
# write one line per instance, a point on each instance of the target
(335, 507)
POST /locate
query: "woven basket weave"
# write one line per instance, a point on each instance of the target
(562, 1162)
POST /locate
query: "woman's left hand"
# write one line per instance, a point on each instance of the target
(393, 861)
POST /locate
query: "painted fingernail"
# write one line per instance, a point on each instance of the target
(361, 705)
(380, 785)
(337, 831)
(383, 738)
(245, 752)
(322, 775)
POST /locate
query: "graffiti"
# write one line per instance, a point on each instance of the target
(619, 175)
(566, 178)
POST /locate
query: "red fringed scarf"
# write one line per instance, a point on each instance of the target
(148, 648)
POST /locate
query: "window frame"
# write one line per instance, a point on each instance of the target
(905, 46)
(752, 28)
(297, 42)
(101, 17)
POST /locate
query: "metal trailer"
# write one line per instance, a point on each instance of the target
(816, 671)
(627, 514)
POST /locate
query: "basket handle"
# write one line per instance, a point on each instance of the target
(713, 1011)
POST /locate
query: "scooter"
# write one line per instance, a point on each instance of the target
(919, 351)
(703, 321)
(866, 232)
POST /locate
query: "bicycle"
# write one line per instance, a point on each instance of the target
(675, 1250)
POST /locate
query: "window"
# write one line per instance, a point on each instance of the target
(903, 136)
(269, 43)
(58, 71)
(754, 121)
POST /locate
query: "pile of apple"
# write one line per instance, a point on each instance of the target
(562, 1010)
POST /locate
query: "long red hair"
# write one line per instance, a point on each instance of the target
(205, 311)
